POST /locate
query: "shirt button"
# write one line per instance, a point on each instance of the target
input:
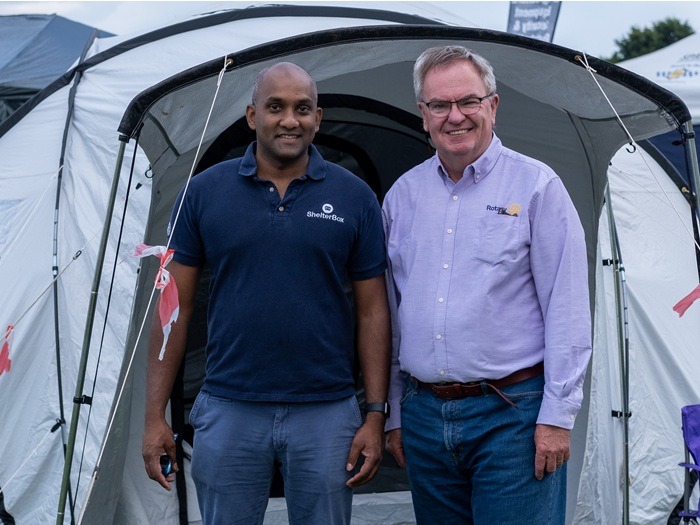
(441, 300)
(272, 189)
(281, 208)
(442, 372)
(445, 266)
(449, 230)
(454, 197)
(571, 418)
(439, 336)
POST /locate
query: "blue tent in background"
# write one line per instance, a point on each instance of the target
(34, 51)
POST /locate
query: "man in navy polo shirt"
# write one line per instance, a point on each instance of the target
(279, 228)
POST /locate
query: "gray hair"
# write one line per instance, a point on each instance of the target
(259, 77)
(444, 56)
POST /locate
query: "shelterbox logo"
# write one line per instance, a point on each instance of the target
(326, 213)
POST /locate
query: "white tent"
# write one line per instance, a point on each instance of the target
(653, 219)
(675, 67)
(60, 173)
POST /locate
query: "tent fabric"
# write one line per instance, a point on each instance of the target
(36, 50)
(675, 67)
(654, 224)
(653, 215)
(362, 59)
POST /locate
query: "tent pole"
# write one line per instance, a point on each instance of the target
(79, 399)
(623, 350)
(692, 153)
(61, 162)
(692, 156)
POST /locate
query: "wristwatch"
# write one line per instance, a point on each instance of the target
(378, 407)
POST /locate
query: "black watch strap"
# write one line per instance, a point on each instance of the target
(378, 407)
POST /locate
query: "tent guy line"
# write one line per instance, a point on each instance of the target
(227, 62)
(691, 297)
(75, 257)
(5, 484)
(584, 61)
(666, 202)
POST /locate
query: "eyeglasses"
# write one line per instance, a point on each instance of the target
(467, 106)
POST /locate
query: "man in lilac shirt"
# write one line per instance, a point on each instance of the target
(491, 318)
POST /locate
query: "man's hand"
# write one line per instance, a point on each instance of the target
(394, 444)
(368, 441)
(552, 448)
(158, 439)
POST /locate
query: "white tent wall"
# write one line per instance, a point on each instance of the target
(654, 227)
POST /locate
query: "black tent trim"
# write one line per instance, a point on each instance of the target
(289, 46)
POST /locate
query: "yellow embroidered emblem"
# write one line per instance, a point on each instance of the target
(513, 209)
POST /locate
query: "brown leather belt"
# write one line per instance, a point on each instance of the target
(480, 388)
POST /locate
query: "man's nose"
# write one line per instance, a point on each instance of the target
(455, 114)
(289, 119)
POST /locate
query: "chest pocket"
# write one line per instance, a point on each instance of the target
(496, 239)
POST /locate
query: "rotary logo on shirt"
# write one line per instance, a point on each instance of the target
(513, 210)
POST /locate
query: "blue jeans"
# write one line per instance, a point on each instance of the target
(237, 443)
(471, 461)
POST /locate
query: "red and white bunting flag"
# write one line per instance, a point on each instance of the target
(169, 306)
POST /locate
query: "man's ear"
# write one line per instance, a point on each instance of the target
(250, 116)
(424, 113)
(319, 116)
(494, 107)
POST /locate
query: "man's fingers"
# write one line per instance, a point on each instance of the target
(353, 456)
(394, 444)
(399, 456)
(367, 471)
(540, 463)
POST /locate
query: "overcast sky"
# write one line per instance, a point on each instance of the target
(589, 26)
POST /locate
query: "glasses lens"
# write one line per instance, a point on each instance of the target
(467, 106)
(439, 108)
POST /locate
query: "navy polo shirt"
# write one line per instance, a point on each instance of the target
(280, 325)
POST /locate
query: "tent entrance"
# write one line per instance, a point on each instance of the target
(376, 142)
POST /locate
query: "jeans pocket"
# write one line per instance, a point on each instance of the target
(195, 407)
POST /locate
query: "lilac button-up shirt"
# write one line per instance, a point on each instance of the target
(488, 276)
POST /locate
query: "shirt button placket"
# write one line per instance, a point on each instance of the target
(447, 256)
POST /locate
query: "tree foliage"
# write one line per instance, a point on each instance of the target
(642, 41)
